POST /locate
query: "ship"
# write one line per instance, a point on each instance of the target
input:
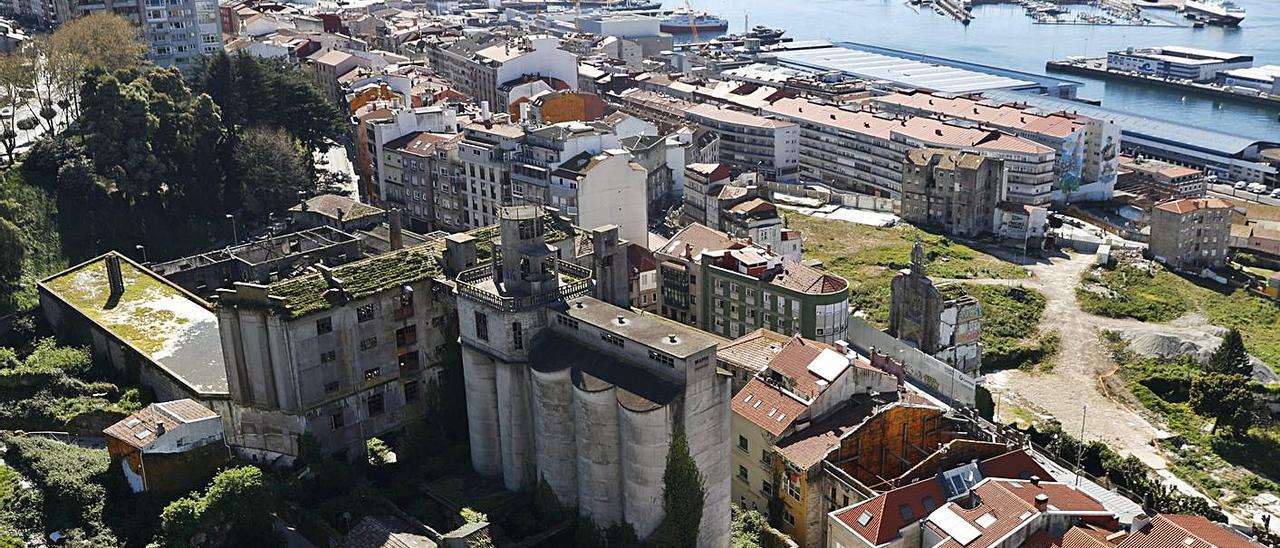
(766, 34)
(680, 23)
(1219, 12)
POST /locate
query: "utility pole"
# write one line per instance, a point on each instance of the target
(1084, 414)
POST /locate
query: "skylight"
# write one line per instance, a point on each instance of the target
(142, 435)
(985, 520)
(865, 518)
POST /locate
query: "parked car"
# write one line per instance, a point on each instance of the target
(1257, 188)
(1275, 193)
(1241, 185)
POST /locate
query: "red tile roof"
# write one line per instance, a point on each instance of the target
(1016, 464)
(1007, 501)
(809, 446)
(1174, 531)
(141, 429)
(754, 350)
(767, 406)
(1187, 205)
(886, 516)
(793, 362)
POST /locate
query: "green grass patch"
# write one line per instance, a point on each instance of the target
(869, 257)
(36, 217)
(1130, 292)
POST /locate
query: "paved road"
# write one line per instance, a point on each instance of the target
(1228, 191)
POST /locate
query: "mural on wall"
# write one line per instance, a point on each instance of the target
(1071, 163)
(1110, 155)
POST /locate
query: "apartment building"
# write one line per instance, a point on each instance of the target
(864, 151)
(481, 69)
(802, 381)
(377, 131)
(485, 169)
(1159, 181)
(605, 188)
(952, 190)
(702, 186)
(751, 143)
(544, 149)
(1087, 149)
(418, 174)
(750, 288)
(651, 152)
(177, 32)
(1191, 233)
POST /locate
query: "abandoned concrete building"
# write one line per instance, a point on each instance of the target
(952, 190)
(574, 390)
(939, 319)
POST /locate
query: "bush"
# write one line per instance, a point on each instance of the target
(72, 479)
(236, 509)
(377, 451)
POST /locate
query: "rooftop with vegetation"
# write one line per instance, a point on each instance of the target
(164, 323)
(305, 294)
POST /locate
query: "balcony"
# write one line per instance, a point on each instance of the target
(477, 284)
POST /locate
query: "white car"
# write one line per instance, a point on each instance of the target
(1241, 185)
(1275, 192)
(1257, 188)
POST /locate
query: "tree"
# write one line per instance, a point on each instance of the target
(15, 83)
(1225, 398)
(180, 521)
(12, 251)
(271, 170)
(683, 494)
(103, 41)
(1231, 358)
(378, 451)
(237, 504)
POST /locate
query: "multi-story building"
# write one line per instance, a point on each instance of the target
(864, 151)
(419, 179)
(481, 70)
(702, 186)
(1179, 62)
(1159, 181)
(742, 211)
(642, 274)
(955, 191)
(665, 111)
(802, 381)
(180, 32)
(1086, 148)
(342, 354)
(1191, 233)
(542, 150)
(651, 153)
(751, 143)
(604, 188)
(938, 319)
(750, 287)
(379, 131)
(583, 395)
(484, 168)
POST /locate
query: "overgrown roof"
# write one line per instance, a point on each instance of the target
(305, 295)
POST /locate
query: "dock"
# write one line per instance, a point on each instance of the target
(1097, 68)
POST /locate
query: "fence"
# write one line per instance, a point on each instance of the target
(828, 195)
(927, 372)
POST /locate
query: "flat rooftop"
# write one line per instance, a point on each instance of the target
(173, 328)
(1190, 137)
(305, 294)
(641, 328)
(913, 69)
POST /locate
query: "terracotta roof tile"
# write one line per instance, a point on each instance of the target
(1181, 531)
(767, 407)
(885, 516)
(1187, 205)
(754, 350)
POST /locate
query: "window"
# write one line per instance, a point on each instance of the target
(409, 361)
(766, 458)
(331, 386)
(766, 488)
(329, 356)
(742, 472)
(742, 443)
(372, 373)
(404, 308)
(337, 421)
(482, 326)
(324, 325)
(368, 343)
(412, 391)
(376, 405)
(905, 511)
(517, 335)
(364, 313)
(407, 335)
(616, 340)
(787, 517)
(662, 358)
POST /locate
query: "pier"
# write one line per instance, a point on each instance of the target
(1097, 68)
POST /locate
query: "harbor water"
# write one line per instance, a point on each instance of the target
(1003, 35)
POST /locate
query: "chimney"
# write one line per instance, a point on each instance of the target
(1035, 480)
(688, 251)
(1140, 522)
(1042, 502)
(485, 114)
(115, 279)
(395, 234)
(341, 214)
(159, 428)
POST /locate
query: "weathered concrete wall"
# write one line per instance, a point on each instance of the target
(595, 421)
(480, 376)
(515, 426)
(557, 457)
(707, 425)
(644, 454)
(890, 443)
(925, 371)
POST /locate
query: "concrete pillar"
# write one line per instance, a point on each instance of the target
(595, 422)
(557, 455)
(515, 426)
(644, 459)
(482, 412)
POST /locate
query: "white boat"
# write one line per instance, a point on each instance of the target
(1222, 12)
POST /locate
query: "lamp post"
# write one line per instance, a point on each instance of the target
(235, 234)
(142, 249)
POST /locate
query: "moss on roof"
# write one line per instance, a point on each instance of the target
(305, 295)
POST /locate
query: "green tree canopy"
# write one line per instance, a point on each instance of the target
(683, 494)
(1230, 357)
(1226, 398)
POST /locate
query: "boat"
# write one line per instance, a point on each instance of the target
(681, 23)
(1221, 12)
(765, 34)
(631, 5)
